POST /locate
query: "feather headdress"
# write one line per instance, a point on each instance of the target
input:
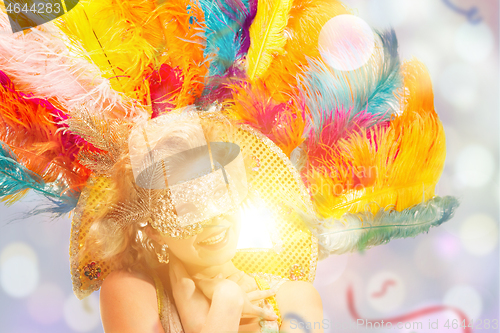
(366, 142)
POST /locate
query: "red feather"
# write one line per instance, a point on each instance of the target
(164, 86)
(30, 129)
(283, 123)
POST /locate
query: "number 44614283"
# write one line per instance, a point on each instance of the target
(474, 324)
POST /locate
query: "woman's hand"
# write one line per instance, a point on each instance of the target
(191, 303)
(255, 295)
(230, 288)
(240, 279)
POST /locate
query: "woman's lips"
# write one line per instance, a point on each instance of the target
(216, 242)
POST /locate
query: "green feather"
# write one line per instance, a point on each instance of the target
(363, 230)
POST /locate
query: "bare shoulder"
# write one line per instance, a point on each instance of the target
(128, 303)
(297, 291)
(123, 279)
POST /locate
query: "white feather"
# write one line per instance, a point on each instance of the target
(39, 62)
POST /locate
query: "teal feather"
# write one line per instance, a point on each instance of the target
(362, 230)
(224, 21)
(14, 178)
(370, 88)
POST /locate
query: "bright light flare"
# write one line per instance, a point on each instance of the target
(257, 225)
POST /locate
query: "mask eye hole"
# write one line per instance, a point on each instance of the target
(219, 192)
(185, 208)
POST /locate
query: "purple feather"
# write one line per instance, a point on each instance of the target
(237, 6)
(245, 28)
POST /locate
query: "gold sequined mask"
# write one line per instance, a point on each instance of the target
(186, 176)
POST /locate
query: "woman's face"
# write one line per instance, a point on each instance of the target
(215, 245)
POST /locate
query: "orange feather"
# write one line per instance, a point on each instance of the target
(29, 128)
(282, 122)
(303, 29)
(185, 47)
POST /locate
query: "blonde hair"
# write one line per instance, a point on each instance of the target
(127, 245)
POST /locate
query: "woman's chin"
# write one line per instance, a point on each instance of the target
(220, 252)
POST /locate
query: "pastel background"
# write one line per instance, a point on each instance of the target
(454, 266)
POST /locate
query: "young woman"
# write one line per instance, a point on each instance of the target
(199, 288)
(332, 140)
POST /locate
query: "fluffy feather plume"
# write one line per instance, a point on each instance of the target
(164, 86)
(39, 62)
(398, 164)
(335, 125)
(283, 123)
(363, 230)
(108, 135)
(417, 93)
(219, 89)
(123, 38)
(381, 183)
(29, 128)
(307, 18)
(16, 180)
(371, 88)
(247, 23)
(342, 103)
(48, 164)
(228, 41)
(184, 24)
(372, 146)
(225, 33)
(267, 35)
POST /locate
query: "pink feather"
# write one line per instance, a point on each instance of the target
(336, 125)
(164, 84)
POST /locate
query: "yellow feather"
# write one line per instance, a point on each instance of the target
(125, 39)
(13, 198)
(266, 35)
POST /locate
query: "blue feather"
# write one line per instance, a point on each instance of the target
(223, 32)
(57, 208)
(370, 88)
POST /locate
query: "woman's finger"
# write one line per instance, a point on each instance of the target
(260, 294)
(207, 282)
(179, 275)
(248, 287)
(207, 286)
(172, 267)
(236, 277)
(263, 313)
(188, 299)
(241, 279)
